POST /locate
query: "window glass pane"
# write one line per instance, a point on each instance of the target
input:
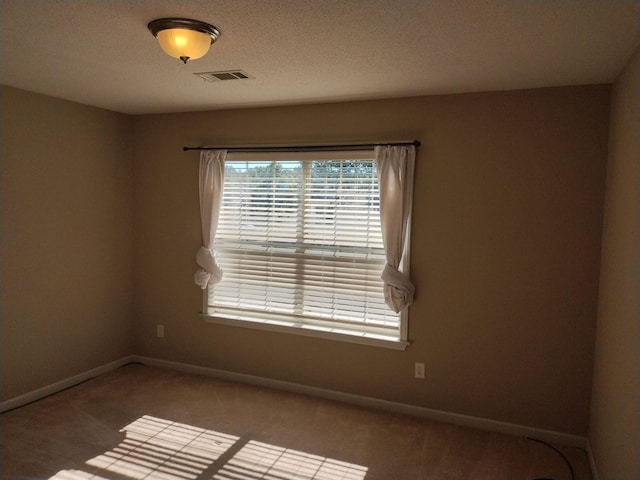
(301, 240)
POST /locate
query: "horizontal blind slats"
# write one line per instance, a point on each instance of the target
(302, 239)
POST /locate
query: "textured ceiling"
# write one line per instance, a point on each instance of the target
(301, 51)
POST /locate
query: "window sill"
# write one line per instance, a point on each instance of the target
(310, 331)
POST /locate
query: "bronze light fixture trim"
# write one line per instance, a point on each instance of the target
(184, 38)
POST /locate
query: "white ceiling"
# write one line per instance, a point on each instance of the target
(99, 52)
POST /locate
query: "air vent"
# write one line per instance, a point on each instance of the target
(223, 76)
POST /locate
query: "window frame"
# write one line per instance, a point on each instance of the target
(265, 321)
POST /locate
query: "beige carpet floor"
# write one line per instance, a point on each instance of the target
(140, 422)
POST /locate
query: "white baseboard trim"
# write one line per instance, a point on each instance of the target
(592, 462)
(56, 387)
(394, 407)
(369, 402)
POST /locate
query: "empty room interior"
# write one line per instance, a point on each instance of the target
(469, 309)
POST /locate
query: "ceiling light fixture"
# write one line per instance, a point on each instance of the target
(183, 38)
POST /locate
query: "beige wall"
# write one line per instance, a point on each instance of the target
(67, 242)
(615, 418)
(506, 248)
(506, 237)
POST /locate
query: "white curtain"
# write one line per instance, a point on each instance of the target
(211, 186)
(395, 177)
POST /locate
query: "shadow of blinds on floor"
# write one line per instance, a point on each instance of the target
(159, 449)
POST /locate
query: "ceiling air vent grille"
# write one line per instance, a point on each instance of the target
(223, 76)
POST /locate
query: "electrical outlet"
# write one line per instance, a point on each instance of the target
(160, 331)
(419, 370)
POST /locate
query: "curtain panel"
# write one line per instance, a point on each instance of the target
(211, 189)
(395, 177)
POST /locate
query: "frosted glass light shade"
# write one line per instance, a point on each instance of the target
(182, 43)
(183, 38)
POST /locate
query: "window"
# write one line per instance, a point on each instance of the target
(300, 244)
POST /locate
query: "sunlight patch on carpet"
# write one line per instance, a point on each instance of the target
(263, 461)
(159, 449)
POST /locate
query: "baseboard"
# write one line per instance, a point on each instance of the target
(56, 387)
(394, 407)
(592, 462)
(385, 405)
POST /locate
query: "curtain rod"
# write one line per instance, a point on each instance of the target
(305, 148)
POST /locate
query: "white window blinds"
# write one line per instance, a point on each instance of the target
(299, 243)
